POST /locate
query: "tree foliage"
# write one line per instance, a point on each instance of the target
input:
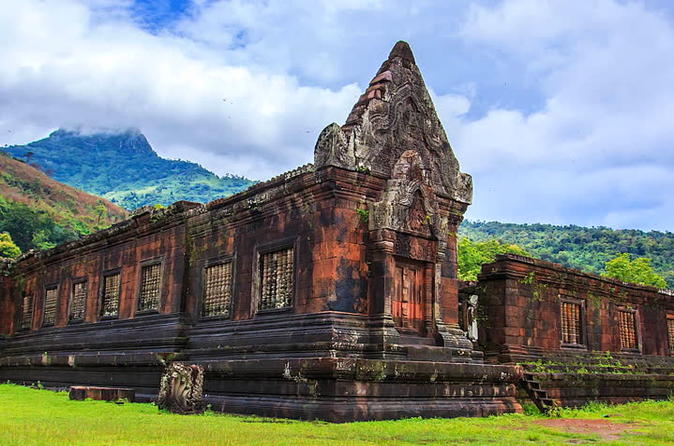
(638, 270)
(580, 247)
(472, 255)
(31, 229)
(123, 168)
(7, 247)
(39, 212)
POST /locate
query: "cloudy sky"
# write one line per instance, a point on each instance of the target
(563, 111)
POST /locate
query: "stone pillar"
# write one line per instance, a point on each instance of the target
(382, 266)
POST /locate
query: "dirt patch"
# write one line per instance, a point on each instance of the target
(607, 430)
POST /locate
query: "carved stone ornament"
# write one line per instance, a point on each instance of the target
(331, 149)
(408, 204)
(181, 388)
(393, 116)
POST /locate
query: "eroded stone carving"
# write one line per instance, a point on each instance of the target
(181, 388)
(331, 149)
(408, 204)
(394, 115)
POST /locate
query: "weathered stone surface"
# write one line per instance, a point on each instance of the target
(521, 321)
(181, 388)
(409, 203)
(577, 389)
(331, 149)
(395, 116)
(342, 302)
(520, 299)
(81, 393)
(6, 299)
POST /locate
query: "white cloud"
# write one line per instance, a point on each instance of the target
(64, 68)
(605, 69)
(560, 110)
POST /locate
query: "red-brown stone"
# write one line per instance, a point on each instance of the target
(519, 305)
(358, 340)
(81, 393)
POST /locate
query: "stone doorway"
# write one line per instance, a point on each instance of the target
(407, 305)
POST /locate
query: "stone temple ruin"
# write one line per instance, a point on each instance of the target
(330, 292)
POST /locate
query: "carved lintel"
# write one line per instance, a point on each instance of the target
(415, 248)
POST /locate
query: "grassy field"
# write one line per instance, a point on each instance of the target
(39, 417)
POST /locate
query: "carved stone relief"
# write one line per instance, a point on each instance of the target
(395, 115)
(181, 388)
(408, 205)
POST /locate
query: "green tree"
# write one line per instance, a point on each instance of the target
(669, 278)
(100, 210)
(472, 255)
(638, 271)
(578, 247)
(42, 240)
(33, 229)
(7, 246)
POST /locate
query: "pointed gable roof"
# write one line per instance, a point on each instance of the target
(394, 115)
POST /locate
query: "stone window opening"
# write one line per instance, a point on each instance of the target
(572, 327)
(78, 301)
(149, 294)
(110, 296)
(217, 294)
(26, 322)
(277, 277)
(50, 306)
(627, 323)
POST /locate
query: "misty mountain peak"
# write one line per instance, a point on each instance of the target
(120, 165)
(131, 140)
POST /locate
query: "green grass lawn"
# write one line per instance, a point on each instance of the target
(40, 417)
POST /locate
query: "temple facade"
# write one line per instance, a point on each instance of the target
(579, 337)
(330, 292)
(327, 292)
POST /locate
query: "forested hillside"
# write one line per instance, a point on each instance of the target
(580, 247)
(124, 168)
(39, 212)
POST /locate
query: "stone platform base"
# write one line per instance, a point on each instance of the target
(330, 389)
(80, 393)
(575, 390)
(341, 389)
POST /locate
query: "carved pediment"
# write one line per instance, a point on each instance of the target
(408, 203)
(394, 115)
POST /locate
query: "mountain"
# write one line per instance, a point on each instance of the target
(39, 212)
(580, 247)
(124, 168)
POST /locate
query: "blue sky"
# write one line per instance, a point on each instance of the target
(156, 15)
(560, 109)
